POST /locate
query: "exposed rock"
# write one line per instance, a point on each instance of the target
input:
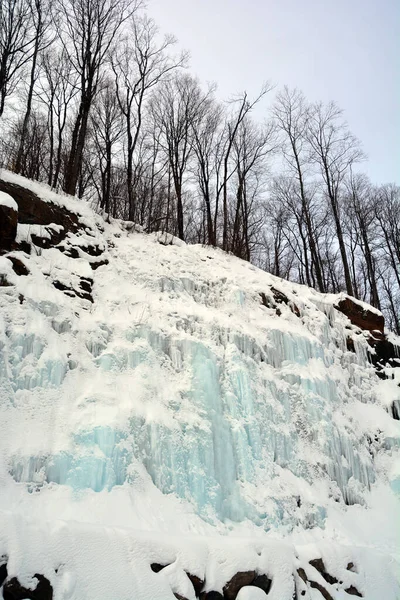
(84, 292)
(156, 567)
(4, 281)
(278, 297)
(3, 573)
(351, 567)
(238, 581)
(302, 574)
(353, 591)
(34, 210)
(96, 264)
(263, 582)
(13, 590)
(18, 266)
(211, 596)
(324, 592)
(385, 353)
(197, 583)
(361, 317)
(8, 227)
(318, 564)
(179, 597)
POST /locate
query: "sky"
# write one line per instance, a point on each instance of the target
(342, 50)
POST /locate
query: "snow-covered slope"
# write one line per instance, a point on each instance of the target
(170, 404)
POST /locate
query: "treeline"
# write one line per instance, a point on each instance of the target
(94, 102)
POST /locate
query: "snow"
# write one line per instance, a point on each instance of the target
(178, 420)
(6, 200)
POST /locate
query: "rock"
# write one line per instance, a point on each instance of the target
(353, 591)
(18, 266)
(239, 580)
(197, 583)
(13, 590)
(263, 582)
(361, 317)
(4, 281)
(34, 210)
(324, 592)
(351, 567)
(302, 574)
(279, 297)
(3, 573)
(8, 227)
(211, 596)
(96, 264)
(156, 567)
(318, 564)
(179, 597)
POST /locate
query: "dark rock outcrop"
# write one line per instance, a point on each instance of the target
(35, 211)
(197, 583)
(8, 227)
(318, 564)
(13, 590)
(353, 591)
(238, 581)
(157, 567)
(363, 318)
(211, 596)
(18, 266)
(263, 582)
(3, 573)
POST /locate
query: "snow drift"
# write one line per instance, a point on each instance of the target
(175, 422)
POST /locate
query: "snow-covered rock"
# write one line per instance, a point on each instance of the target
(169, 404)
(8, 221)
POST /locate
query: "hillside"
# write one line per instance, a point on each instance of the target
(168, 409)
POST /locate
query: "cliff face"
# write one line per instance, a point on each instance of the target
(237, 433)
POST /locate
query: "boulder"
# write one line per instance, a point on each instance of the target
(8, 222)
(13, 590)
(353, 591)
(3, 573)
(197, 583)
(363, 318)
(238, 581)
(35, 211)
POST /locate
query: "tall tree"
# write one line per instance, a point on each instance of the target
(16, 40)
(335, 150)
(140, 63)
(87, 29)
(291, 113)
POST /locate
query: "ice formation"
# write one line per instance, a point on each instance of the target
(181, 401)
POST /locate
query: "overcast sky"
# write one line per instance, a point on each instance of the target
(342, 50)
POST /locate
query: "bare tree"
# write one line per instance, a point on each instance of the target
(251, 147)
(140, 63)
(175, 108)
(245, 106)
(87, 29)
(335, 150)
(291, 113)
(16, 40)
(39, 12)
(106, 125)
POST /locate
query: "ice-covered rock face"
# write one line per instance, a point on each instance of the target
(225, 386)
(243, 410)
(150, 385)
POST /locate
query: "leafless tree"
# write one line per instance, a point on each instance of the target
(17, 36)
(87, 29)
(139, 64)
(335, 150)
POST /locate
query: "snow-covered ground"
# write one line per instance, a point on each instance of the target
(178, 419)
